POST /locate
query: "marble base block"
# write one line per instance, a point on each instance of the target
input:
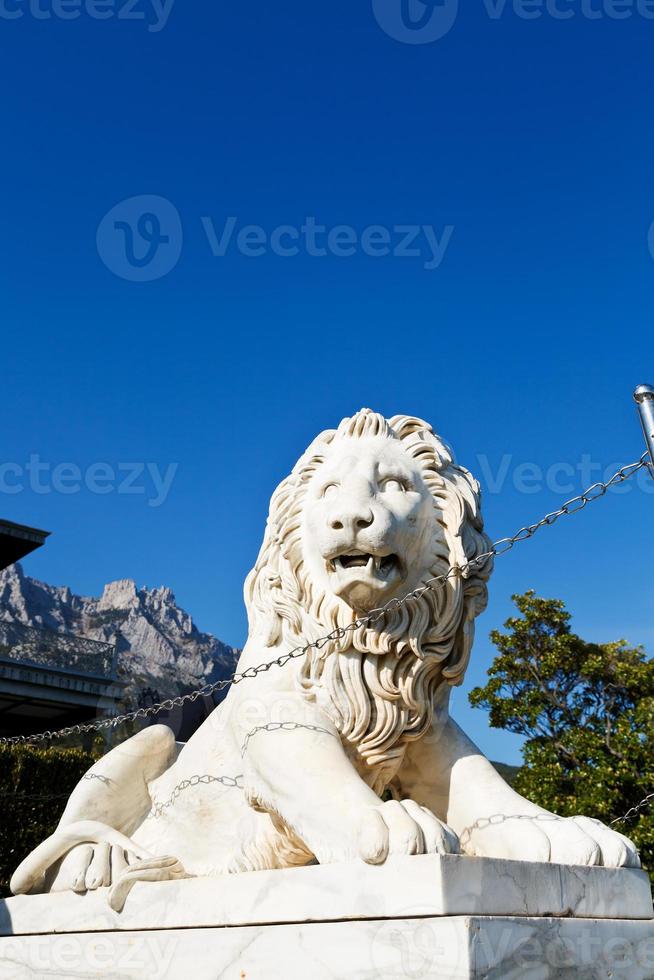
(450, 948)
(417, 917)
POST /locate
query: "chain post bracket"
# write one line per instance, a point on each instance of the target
(644, 398)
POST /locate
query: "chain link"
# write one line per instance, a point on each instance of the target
(499, 818)
(231, 782)
(572, 506)
(500, 547)
(634, 811)
(283, 726)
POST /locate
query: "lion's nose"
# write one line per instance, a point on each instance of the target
(355, 519)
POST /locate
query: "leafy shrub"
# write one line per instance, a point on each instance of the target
(34, 786)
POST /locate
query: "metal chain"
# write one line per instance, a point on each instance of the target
(498, 818)
(572, 506)
(283, 726)
(230, 781)
(498, 548)
(634, 810)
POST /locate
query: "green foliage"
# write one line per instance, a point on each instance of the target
(586, 711)
(34, 786)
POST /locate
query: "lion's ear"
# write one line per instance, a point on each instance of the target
(313, 455)
(418, 436)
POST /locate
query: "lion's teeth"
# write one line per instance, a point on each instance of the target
(353, 561)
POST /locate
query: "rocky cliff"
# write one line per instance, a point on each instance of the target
(158, 644)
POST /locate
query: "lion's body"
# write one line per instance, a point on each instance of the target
(231, 835)
(293, 764)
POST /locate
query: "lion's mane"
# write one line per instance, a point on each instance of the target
(379, 684)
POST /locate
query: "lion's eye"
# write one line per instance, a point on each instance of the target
(393, 485)
(329, 489)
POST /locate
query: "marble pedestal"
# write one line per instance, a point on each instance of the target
(417, 917)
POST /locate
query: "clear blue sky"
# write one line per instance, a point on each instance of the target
(531, 138)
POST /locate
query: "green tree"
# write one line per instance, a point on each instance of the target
(586, 711)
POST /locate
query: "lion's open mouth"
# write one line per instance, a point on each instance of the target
(382, 565)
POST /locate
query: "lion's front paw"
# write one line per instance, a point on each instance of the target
(90, 866)
(403, 827)
(579, 837)
(545, 837)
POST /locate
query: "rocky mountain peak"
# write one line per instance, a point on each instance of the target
(158, 643)
(118, 595)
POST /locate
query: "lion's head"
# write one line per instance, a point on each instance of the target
(371, 511)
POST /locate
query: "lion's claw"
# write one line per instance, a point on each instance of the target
(403, 827)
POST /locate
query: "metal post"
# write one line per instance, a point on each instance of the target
(644, 398)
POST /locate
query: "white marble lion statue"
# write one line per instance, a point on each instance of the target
(347, 752)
